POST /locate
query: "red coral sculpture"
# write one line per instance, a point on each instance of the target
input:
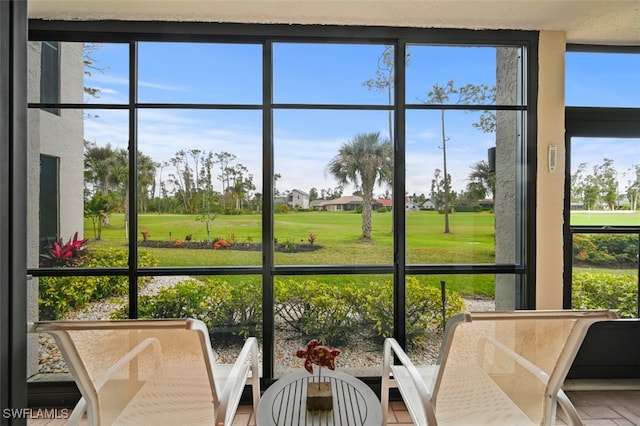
(318, 354)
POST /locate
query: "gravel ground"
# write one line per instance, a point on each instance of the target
(362, 359)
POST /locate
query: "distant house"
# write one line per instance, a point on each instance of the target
(280, 200)
(428, 205)
(317, 204)
(298, 199)
(347, 203)
(486, 204)
(383, 202)
(410, 205)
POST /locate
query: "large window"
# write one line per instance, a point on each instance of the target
(290, 184)
(602, 235)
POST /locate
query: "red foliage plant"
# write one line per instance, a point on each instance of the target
(59, 253)
(317, 354)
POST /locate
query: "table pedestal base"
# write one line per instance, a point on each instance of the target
(319, 396)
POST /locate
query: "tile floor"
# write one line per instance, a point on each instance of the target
(596, 408)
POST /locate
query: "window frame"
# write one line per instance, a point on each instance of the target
(593, 122)
(133, 32)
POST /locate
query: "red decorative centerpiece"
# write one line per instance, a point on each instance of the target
(319, 396)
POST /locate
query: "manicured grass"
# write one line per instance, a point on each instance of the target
(612, 271)
(622, 217)
(619, 218)
(471, 240)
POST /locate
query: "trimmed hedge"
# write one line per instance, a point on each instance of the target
(60, 295)
(231, 308)
(423, 309)
(308, 307)
(606, 249)
(606, 291)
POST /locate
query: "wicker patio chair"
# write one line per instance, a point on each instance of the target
(494, 368)
(155, 372)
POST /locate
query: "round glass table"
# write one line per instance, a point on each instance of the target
(284, 403)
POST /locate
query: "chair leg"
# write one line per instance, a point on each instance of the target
(384, 400)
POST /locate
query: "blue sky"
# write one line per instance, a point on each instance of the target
(305, 140)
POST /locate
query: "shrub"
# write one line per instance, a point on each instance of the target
(224, 307)
(423, 308)
(317, 309)
(334, 314)
(605, 291)
(60, 295)
(606, 249)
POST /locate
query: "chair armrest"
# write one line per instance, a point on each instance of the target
(238, 376)
(129, 356)
(392, 347)
(539, 373)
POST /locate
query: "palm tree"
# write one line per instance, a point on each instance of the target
(361, 161)
(483, 179)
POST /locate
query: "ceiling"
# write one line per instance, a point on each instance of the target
(606, 22)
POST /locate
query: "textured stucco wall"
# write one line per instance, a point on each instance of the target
(60, 136)
(507, 214)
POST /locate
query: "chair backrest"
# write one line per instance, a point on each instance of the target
(112, 360)
(527, 354)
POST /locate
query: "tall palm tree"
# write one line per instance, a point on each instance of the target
(362, 161)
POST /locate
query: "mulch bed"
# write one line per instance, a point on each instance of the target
(279, 247)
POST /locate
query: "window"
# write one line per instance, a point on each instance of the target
(49, 199)
(50, 75)
(602, 179)
(602, 236)
(293, 184)
(602, 79)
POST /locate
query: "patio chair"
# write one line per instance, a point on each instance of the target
(156, 372)
(494, 368)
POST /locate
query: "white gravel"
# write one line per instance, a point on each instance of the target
(364, 359)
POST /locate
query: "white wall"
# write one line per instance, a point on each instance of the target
(550, 186)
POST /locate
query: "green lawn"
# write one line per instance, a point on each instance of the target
(471, 241)
(621, 217)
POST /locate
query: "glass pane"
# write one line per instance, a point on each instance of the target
(484, 68)
(602, 79)
(75, 298)
(351, 313)
(78, 72)
(200, 73)
(605, 181)
(230, 306)
(78, 197)
(478, 224)
(309, 73)
(320, 213)
(605, 273)
(200, 178)
(426, 313)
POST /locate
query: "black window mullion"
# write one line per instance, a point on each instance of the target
(399, 214)
(132, 183)
(268, 298)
